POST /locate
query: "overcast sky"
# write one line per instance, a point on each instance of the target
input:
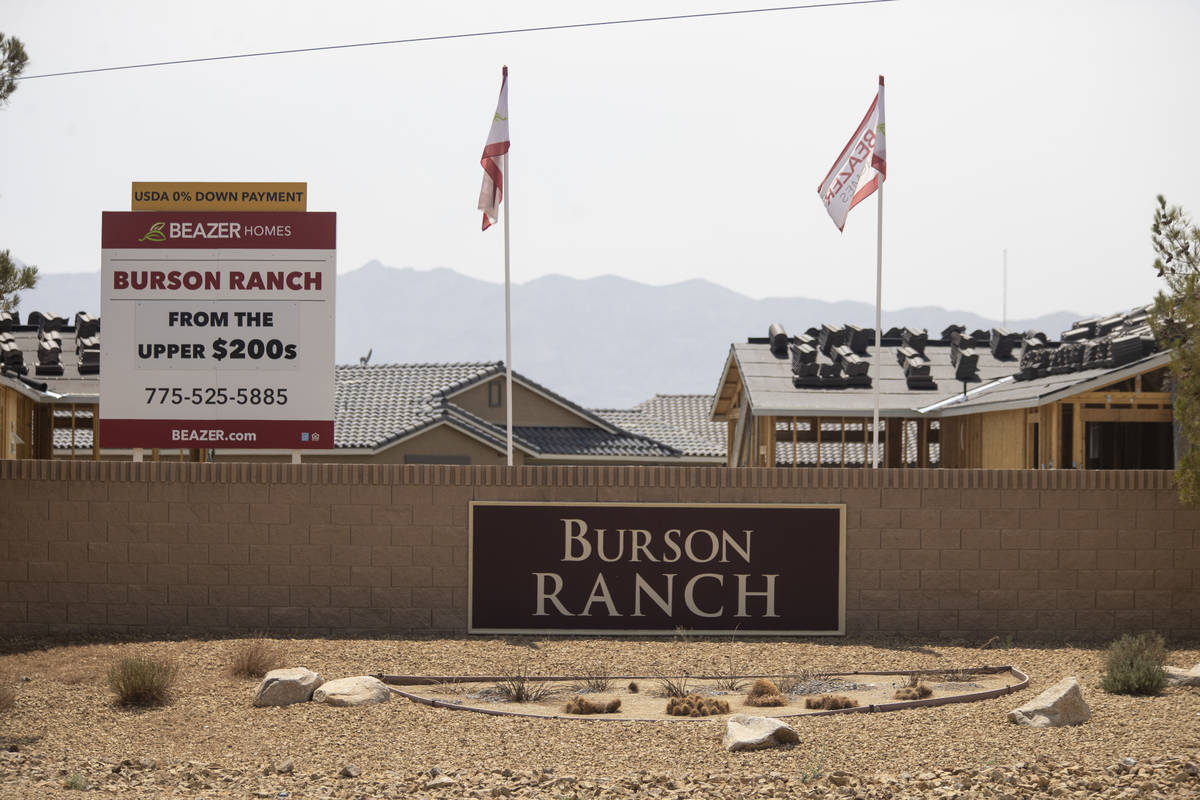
(659, 152)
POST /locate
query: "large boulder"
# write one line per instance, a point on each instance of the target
(358, 691)
(1061, 704)
(282, 687)
(1182, 677)
(744, 732)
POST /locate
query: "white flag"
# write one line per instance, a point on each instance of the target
(492, 191)
(860, 168)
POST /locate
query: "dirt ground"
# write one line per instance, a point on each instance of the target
(209, 742)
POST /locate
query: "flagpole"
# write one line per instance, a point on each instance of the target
(508, 397)
(878, 317)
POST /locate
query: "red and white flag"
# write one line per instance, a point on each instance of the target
(860, 168)
(492, 191)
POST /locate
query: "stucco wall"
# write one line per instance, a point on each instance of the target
(95, 546)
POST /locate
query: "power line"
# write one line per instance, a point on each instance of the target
(475, 34)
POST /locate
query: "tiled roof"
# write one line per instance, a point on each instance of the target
(678, 420)
(378, 403)
(592, 442)
(1012, 367)
(26, 340)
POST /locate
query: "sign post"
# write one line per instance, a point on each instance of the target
(218, 329)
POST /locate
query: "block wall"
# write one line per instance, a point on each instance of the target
(352, 549)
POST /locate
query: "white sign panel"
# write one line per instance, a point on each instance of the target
(218, 330)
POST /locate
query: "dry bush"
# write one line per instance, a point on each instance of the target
(918, 692)
(582, 705)
(255, 658)
(831, 702)
(8, 698)
(596, 677)
(517, 687)
(793, 682)
(765, 693)
(633, 687)
(672, 687)
(730, 682)
(142, 681)
(696, 705)
(1135, 665)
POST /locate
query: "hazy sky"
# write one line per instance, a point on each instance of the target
(660, 152)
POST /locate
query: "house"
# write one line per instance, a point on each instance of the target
(1099, 397)
(387, 413)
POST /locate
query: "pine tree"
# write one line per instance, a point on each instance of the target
(12, 64)
(14, 279)
(1176, 324)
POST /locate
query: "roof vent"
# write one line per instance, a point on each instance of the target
(779, 340)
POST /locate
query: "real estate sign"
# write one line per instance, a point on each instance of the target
(652, 568)
(218, 329)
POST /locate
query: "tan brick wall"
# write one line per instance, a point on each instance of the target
(116, 546)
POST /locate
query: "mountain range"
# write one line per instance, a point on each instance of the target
(601, 342)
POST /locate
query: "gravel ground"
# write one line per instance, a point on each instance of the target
(210, 743)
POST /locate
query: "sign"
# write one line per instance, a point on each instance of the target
(651, 568)
(210, 196)
(218, 330)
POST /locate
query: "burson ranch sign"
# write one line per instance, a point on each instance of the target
(656, 568)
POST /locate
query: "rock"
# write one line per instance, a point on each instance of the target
(350, 771)
(743, 732)
(285, 767)
(359, 691)
(282, 687)
(439, 782)
(1061, 704)
(1182, 677)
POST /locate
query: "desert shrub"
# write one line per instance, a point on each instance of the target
(518, 687)
(633, 687)
(8, 698)
(831, 702)
(255, 658)
(76, 783)
(918, 692)
(793, 683)
(672, 687)
(730, 681)
(1135, 665)
(765, 693)
(696, 705)
(582, 705)
(595, 678)
(142, 681)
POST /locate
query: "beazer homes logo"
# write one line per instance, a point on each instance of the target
(166, 231)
